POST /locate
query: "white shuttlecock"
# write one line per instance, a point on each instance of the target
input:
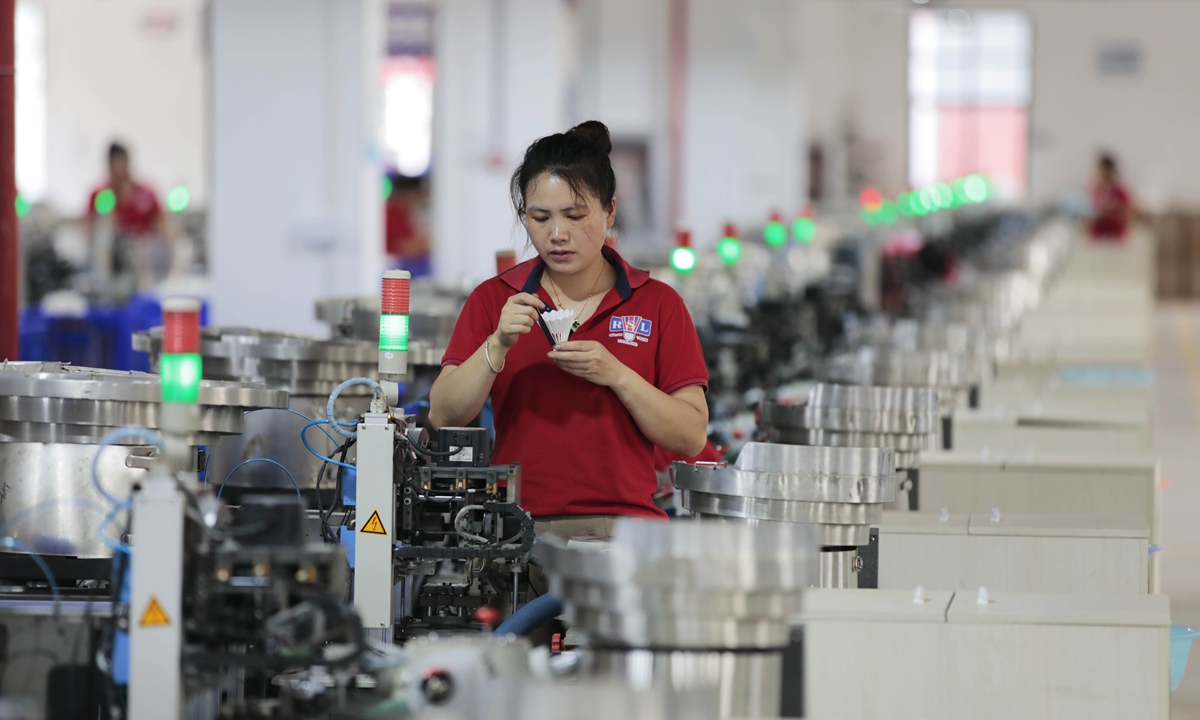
(559, 323)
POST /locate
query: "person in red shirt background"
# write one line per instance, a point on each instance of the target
(143, 238)
(583, 417)
(406, 225)
(1112, 203)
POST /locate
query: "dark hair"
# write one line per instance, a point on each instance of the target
(116, 150)
(1108, 162)
(579, 157)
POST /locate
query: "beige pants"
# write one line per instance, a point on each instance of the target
(566, 527)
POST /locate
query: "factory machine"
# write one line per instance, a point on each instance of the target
(123, 549)
(233, 597)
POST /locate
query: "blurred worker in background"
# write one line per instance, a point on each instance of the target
(1112, 203)
(406, 225)
(132, 239)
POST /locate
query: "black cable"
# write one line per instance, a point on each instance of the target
(423, 450)
(326, 531)
(337, 491)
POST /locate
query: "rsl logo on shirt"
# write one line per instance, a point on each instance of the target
(630, 329)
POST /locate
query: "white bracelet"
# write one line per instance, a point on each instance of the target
(486, 345)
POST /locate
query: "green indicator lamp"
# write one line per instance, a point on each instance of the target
(393, 333)
(804, 229)
(105, 201)
(975, 188)
(393, 323)
(387, 187)
(887, 212)
(683, 260)
(945, 195)
(181, 373)
(904, 203)
(775, 233)
(683, 257)
(23, 206)
(178, 199)
(924, 202)
(869, 218)
(730, 250)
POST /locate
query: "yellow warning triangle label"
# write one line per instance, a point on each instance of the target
(154, 616)
(374, 525)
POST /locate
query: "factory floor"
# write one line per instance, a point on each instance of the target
(1177, 442)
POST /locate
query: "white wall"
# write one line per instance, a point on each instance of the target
(297, 208)
(1149, 120)
(111, 74)
(744, 139)
(858, 65)
(485, 114)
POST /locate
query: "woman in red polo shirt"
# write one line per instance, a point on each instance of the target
(582, 418)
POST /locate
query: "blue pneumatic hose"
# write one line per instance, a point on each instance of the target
(531, 616)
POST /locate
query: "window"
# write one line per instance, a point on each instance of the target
(969, 89)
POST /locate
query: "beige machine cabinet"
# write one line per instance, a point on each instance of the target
(1117, 486)
(1019, 552)
(1060, 426)
(1033, 656)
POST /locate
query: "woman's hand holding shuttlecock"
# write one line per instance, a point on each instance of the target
(589, 360)
(518, 316)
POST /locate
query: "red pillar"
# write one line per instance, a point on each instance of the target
(10, 279)
(677, 59)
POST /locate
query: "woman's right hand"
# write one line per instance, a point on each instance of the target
(518, 316)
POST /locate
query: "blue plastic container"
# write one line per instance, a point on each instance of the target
(102, 338)
(1181, 646)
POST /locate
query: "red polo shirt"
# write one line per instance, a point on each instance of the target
(136, 214)
(581, 452)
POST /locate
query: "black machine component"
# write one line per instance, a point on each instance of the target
(464, 447)
(265, 601)
(462, 538)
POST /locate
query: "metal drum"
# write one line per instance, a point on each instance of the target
(433, 313)
(701, 605)
(969, 340)
(52, 419)
(905, 419)
(309, 369)
(840, 492)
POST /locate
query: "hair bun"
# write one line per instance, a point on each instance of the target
(594, 132)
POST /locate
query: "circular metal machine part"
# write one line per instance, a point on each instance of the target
(946, 371)
(839, 492)
(905, 419)
(309, 369)
(52, 419)
(704, 603)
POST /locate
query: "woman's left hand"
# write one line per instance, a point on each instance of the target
(589, 360)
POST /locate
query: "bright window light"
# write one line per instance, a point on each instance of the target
(408, 113)
(969, 89)
(31, 100)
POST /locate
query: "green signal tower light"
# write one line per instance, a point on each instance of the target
(683, 260)
(775, 234)
(106, 200)
(730, 250)
(178, 199)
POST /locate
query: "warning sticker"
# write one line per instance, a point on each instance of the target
(154, 616)
(374, 525)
